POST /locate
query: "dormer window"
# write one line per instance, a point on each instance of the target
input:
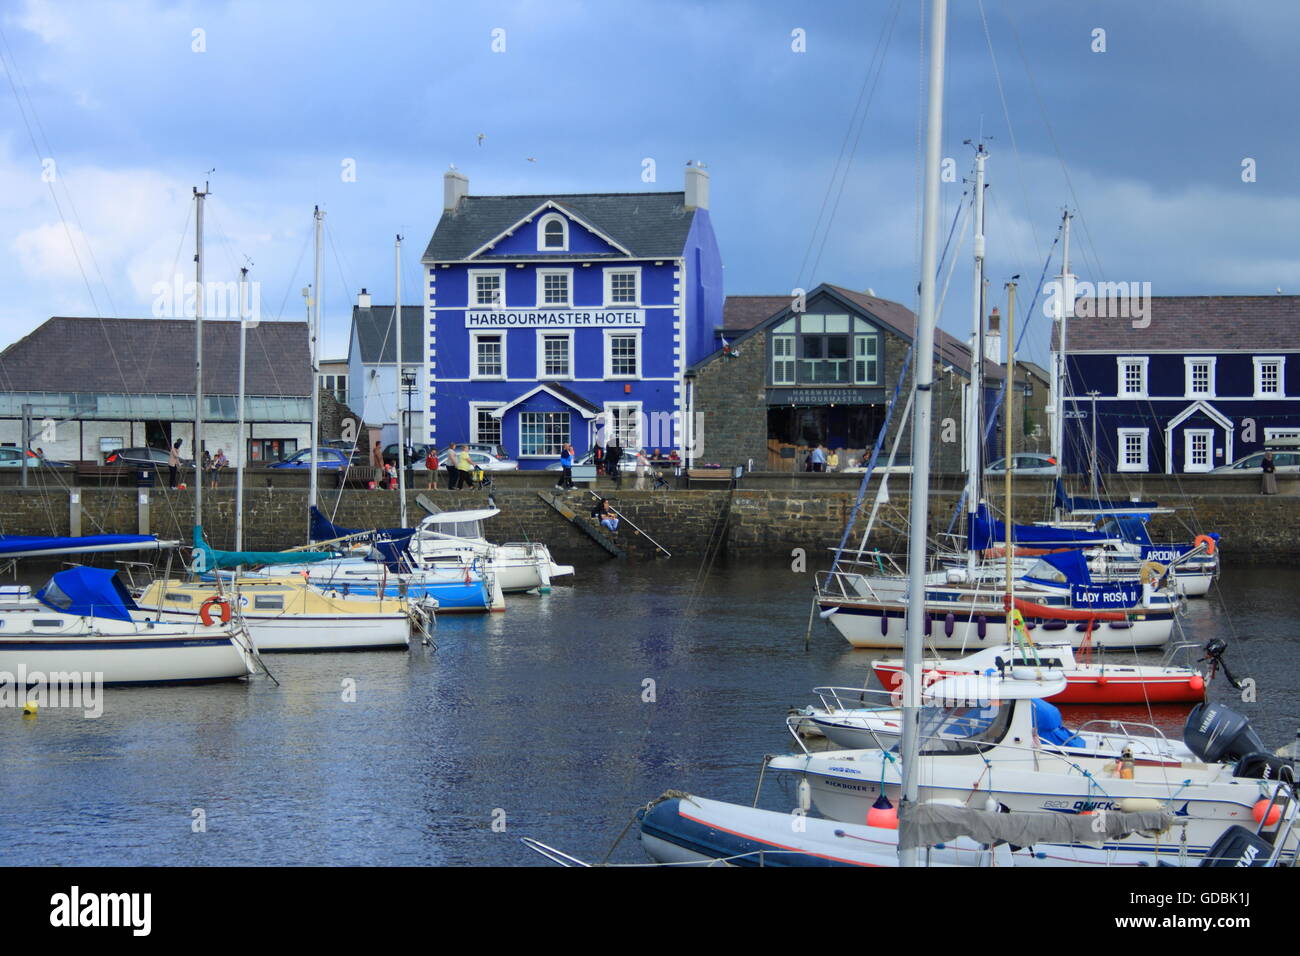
(553, 233)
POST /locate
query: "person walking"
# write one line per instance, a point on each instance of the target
(566, 465)
(1269, 478)
(218, 463)
(431, 466)
(614, 455)
(464, 468)
(642, 466)
(173, 463)
(833, 462)
(452, 473)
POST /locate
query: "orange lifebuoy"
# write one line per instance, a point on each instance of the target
(1209, 543)
(205, 610)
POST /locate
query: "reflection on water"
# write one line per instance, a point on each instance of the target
(537, 714)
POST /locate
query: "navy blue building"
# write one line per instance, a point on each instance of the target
(557, 319)
(1208, 380)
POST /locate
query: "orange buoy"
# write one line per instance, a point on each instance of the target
(883, 814)
(1274, 812)
(1197, 683)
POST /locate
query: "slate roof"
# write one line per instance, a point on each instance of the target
(1202, 323)
(649, 225)
(156, 356)
(375, 336)
(745, 313)
(572, 396)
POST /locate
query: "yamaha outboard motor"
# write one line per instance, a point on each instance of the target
(1218, 734)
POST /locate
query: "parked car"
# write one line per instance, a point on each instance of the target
(414, 452)
(1024, 464)
(479, 459)
(1285, 461)
(13, 458)
(327, 459)
(157, 457)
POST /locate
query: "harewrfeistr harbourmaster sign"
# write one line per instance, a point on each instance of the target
(825, 396)
(557, 319)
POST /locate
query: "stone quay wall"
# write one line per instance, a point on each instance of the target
(747, 522)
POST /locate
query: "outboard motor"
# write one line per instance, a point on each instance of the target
(1218, 734)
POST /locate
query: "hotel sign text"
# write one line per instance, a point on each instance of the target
(556, 319)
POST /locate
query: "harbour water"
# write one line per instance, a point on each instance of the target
(537, 722)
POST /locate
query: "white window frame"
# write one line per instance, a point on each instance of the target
(474, 408)
(568, 441)
(867, 360)
(472, 298)
(1273, 434)
(541, 289)
(1260, 361)
(609, 287)
(1189, 364)
(541, 232)
(610, 430)
(609, 358)
(1121, 363)
(1187, 450)
(793, 341)
(473, 355)
(542, 335)
(1122, 434)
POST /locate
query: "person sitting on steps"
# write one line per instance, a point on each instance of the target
(607, 516)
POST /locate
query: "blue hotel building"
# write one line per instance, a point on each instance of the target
(556, 319)
(1195, 384)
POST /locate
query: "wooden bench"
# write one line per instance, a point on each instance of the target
(706, 475)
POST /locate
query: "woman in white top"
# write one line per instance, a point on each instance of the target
(642, 466)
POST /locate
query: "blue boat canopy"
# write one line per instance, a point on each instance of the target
(207, 558)
(984, 532)
(27, 545)
(91, 592)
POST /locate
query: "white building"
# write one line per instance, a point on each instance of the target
(372, 367)
(88, 386)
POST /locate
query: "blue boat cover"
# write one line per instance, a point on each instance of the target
(207, 558)
(322, 529)
(1050, 726)
(94, 592)
(23, 544)
(983, 532)
(1130, 528)
(1072, 564)
(1071, 504)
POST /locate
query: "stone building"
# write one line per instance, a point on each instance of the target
(790, 373)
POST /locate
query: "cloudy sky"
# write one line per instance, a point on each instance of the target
(125, 106)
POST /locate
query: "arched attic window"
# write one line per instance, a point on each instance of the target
(553, 233)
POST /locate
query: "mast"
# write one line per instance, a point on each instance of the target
(1065, 308)
(975, 411)
(1008, 419)
(198, 354)
(401, 433)
(314, 332)
(241, 447)
(924, 380)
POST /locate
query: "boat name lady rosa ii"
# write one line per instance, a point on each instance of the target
(84, 621)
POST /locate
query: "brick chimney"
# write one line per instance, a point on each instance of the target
(363, 300)
(455, 186)
(697, 186)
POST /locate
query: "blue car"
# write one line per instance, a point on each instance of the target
(329, 459)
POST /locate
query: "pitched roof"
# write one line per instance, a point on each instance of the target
(566, 395)
(156, 356)
(377, 339)
(1206, 323)
(649, 225)
(748, 312)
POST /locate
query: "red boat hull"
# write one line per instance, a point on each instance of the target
(1088, 689)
